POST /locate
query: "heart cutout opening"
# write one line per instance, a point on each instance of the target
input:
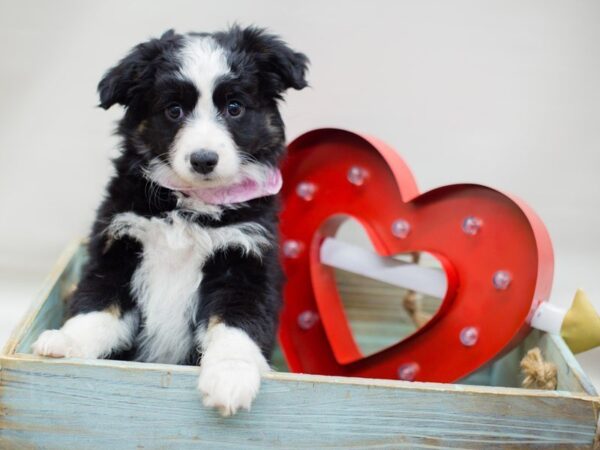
(372, 302)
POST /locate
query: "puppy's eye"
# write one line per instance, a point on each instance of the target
(235, 108)
(174, 112)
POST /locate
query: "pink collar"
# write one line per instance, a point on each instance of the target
(242, 191)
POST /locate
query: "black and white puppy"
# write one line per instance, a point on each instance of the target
(183, 256)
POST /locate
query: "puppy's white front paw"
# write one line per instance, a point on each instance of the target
(57, 344)
(229, 385)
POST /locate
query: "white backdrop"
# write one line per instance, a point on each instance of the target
(504, 93)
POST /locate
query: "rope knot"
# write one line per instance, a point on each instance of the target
(538, 373)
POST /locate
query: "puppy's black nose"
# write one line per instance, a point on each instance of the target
(204, 161)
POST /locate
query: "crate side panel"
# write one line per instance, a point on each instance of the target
(59, 406)
(375, 311)
(66, 264)
(51, 313)
(49, 316)
(571, 376)
(502, 371)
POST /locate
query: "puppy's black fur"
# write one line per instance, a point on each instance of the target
(240, 289)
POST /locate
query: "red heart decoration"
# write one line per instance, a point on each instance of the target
(496, 276)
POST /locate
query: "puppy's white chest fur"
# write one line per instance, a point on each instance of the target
(167, 280)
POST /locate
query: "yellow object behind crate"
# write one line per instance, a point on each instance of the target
(581, 326)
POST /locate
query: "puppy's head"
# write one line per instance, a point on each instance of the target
(201, 109)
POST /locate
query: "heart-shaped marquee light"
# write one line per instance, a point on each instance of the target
(495, 252)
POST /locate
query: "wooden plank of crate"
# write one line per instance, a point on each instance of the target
(51, 313)
(47, 308)
(58, 404)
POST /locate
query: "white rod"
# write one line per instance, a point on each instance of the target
(548, 318)
(351, 258)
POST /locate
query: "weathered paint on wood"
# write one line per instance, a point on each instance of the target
(47, 310)
(69, 403)
(72, 404)
(570, 374)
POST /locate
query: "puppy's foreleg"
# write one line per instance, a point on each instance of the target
(102, 320)
(89, 335)
(231, 367)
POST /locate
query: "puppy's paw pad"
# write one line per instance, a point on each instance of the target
(56, 344)
(229, 385)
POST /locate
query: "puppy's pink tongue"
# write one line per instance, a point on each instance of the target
(247, 189)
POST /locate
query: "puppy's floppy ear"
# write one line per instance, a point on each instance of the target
(283, 67)
(134, 73)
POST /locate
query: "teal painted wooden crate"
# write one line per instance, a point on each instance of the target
(70, 403)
